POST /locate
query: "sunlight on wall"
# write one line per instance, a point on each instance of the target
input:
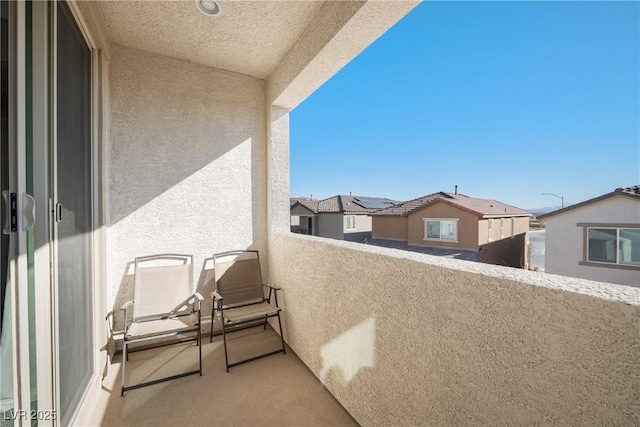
(351, 351)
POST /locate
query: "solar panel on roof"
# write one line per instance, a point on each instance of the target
(373, 203)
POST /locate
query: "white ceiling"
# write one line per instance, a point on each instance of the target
(250, 37)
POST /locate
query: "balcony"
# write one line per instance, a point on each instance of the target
(190, 138)
(400, 338)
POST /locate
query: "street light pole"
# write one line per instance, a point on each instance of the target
(559, 197)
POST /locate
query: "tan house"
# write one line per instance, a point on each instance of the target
(455, 221)
(339, 217)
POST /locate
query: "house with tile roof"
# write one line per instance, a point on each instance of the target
(597, 239)
(453, 224)
(339, 217)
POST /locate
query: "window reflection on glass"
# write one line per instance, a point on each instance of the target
(614, 245)
(629, 246)
(442, 229)
(602, 245)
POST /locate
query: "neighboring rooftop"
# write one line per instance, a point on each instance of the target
(633, 192)
(483, 207)
(311, 204)
(344, 204)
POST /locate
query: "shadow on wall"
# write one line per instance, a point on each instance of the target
(171, 119)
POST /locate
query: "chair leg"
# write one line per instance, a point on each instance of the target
(284, 350)
(212, 320)
(265, 323)
(200, 346)
(124, 362)
(224, 338)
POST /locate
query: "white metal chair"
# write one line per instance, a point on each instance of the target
(240, 298)
(165, 308)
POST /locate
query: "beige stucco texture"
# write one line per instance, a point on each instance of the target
(408, 339)
(389, 227)
(188, 163)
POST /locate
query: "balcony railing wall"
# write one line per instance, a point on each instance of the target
(409, 339)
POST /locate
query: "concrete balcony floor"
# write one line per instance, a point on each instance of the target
(275, 391)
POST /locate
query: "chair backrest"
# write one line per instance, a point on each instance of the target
(163, 284)
(238, 277)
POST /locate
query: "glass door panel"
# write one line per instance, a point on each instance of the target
(73, 211)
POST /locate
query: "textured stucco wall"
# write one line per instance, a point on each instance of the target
(564, 239)
(467, 226)
(188, 163)
(389, 227)
(402, 338)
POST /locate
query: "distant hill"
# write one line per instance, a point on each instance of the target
(540, 211)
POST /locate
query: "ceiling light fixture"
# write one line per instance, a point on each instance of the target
(209, 7)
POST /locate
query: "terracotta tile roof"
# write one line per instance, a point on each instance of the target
(353, 204)
(634, 190)
(407, 207)
(311, 204)
(486, 207)
(481, 207)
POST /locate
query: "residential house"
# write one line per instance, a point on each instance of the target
(597, 239)
(338, 217)
(137, 128)
(452, 222)
(304, 213)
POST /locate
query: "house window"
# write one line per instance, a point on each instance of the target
(351, 222)
(441, 229)
(614, 245)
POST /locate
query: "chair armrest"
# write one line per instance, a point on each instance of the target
(215, 295)
(125, 307)
(275, 288)
(197, 300)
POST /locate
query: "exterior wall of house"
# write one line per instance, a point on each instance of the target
(496, 345)
(389, 227)
(188, 164)
(521, 226)
(467, 226)
(361, 232)
(331, 225)
(565, 244)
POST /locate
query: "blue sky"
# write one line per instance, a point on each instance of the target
(507, 100)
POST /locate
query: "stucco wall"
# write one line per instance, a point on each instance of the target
(467, 226)
(188, 163)
(331, 225)
(389, 227)
(564, 244)
(442, 341)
